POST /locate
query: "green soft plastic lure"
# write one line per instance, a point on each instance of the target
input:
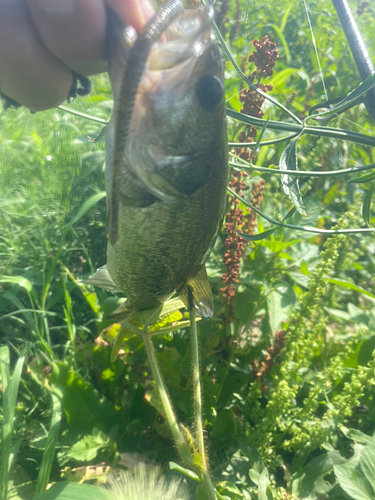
(166, 160)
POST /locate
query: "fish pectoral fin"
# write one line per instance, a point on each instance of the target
(102, 279)
(197, 296)
(169, 175)
(162, 189)
(120, 313)
(186, 173)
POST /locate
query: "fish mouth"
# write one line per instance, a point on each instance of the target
(189, 35)
(188, 47)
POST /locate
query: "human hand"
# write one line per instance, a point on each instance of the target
(43, 41)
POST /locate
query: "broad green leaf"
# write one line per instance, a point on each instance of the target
(277, 246)
(337, 313)
(126, 330)
(72, 491)
(251, 454)
(299, 278)
(356, 435)
(288, 161)
(347, 284)
(280, 301)
(263, 484)
(49, 452)
(161, 320)
(169, 307)
(83, 405)
(159, 314)
(184, 471)
(246, 495)
(171, 319)
(219, 496)
(254, 476)
(87, 448)
(228, 490)
(170, 313)
(367, 462)
(257, 237)
(365, 350)
(366, 207)
(353, 483)
(311, 478)
(176, 326)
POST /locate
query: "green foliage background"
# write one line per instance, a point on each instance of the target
(264, 407)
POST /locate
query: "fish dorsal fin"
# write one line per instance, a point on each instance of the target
(197, 296)
(102, 279)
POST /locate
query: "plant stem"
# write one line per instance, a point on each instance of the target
(298, 228)
(198, 417)
(197, 395)
(334, 133)
(83, 115)
(269, 142)
(182, 445)
(301, 173)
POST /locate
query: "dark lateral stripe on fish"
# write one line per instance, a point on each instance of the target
(139, 53)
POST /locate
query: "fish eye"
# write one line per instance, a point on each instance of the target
(209, 92)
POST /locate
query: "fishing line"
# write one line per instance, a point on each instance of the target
(370, 132)
(315, 49)
(234, 95)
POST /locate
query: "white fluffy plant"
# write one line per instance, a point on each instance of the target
(145, 483)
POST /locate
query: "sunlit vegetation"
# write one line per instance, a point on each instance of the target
(289, 357)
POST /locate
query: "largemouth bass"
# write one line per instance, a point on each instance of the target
(166, 160)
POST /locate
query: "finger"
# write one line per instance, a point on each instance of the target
(29, 74)
(73, 30)
(135, 13)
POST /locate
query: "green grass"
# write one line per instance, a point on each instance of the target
(10, 384)
(263, 407)
(47, 169)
